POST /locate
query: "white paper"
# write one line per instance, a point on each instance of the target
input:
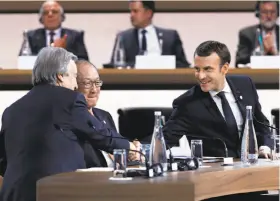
(155, 62)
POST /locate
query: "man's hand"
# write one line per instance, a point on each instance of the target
(264, 152)
(134, 155)
(268, 42)
(61, 42)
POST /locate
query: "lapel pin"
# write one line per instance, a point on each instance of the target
(240, 97)
(104, 121)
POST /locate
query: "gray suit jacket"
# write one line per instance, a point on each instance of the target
(246, 45)
(171, 45)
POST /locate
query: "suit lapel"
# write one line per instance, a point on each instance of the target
(238, 97)
(160, 37)
(41, 39)
(135, 42)
(241, 102)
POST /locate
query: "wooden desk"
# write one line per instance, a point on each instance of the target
(184, 186)
(145, 79)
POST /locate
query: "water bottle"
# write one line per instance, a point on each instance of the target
(259, 48)
(119, 53)
(249, 146)
(158, 147)
(25, 49)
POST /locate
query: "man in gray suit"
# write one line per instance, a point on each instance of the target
(267, 12)
(146, 39)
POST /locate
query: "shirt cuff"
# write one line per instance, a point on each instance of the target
(265, 149)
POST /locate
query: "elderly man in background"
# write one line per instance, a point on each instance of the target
(267, 13)
(89, 84)
(42, 132)
(51, 16)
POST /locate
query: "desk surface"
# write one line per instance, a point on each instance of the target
(186, 186)
(146, 79)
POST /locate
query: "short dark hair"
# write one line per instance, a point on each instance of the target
(149, 5)
(208, 47)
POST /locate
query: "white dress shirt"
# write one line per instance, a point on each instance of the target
(235, 110)
(153, 45)
(232, 103)
(57, 35)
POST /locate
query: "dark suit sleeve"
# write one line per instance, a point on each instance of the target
(91, 129)
(178, 124)
(181, 61)
(244, 49)
(80, 48)
(262, 131)
(3, 159)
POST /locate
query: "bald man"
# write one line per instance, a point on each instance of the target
(51, 16)
(89, 84)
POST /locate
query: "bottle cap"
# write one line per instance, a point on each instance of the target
(157, 113)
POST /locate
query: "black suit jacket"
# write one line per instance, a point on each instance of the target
(171, 45)
(247, 43)
(74, 42)
(93, 156)
(41, 133)
(196, 113)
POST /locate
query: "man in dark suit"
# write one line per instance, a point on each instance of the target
(268, 41)
(89, 84)
(215, 108)
(51, 17)
(42, 133)
(147, 39)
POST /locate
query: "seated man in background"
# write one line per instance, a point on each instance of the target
(267, 12)
(51, 16)
(147, 39)
(89, 84)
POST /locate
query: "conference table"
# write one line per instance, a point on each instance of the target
(210, 180)
(135, 79)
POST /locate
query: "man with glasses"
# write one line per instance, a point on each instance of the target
(89, 84)
(267, 12)
(51, 16)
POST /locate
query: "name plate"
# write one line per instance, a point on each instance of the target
(26, 62)
(155, 62)
(272, 62)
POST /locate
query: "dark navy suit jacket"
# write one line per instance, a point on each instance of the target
(41, 133)
(196, 113)
(93, 156)
(74, 41)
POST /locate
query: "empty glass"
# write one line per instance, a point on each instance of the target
(119, 162)
(197, 151)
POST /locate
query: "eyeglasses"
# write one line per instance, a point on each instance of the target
(89, 84)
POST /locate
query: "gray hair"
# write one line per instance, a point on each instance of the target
(43, 4)
(83, 62)
(50, 62)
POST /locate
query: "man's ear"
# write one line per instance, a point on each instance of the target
(59, 79)
(225, 68)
